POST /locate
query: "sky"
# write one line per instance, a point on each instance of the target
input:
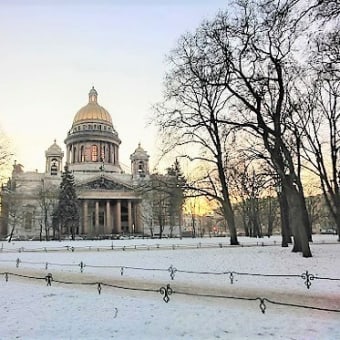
(32, 310)
(53, 52)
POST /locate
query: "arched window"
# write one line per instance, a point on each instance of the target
(102, 156)
(82, 154)
(28, 220)
(54, 168)
(94, 153)
(141, 171)
(74, 155)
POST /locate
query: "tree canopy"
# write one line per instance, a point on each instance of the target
(243, 72)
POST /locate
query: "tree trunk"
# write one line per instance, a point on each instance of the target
(73, 229)
(337, 213)
(193, 224)
(306, 219)
(40, 232)
(285, 229)
(59, 231)
(337, 222)
(270, 219)
(296, 221)
(257, 230)
(47, 234)
(229, 217)
(46, 226)
(11, 234)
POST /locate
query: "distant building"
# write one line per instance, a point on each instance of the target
(108, 200)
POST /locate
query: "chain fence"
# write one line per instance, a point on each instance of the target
(167, 291)
(142, 246)
(306, 276)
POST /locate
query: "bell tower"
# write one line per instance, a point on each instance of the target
(54, 159)
(140, 163)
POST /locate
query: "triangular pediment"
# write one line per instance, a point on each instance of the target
(103, 183)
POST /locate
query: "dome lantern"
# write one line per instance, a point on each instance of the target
(93, 94)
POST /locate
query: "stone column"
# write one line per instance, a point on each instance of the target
(77, 153)
(118, 217)
(108, 225)
(130, 217)
(138, 218)
(96, 226)
(117, 155)
(85, 217)
(68, 154)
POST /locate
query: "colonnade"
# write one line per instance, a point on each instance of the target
(110, 216)
(92, 152)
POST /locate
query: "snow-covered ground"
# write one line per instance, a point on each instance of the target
(204, 304)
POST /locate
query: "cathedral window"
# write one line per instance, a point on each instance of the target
(74, 155)
(103, 154)
(28, 220)
(82, 154)
(141, 169)
(94, 153)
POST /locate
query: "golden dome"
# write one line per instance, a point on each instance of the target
(92, 112)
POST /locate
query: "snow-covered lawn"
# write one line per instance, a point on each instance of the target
(201, 267)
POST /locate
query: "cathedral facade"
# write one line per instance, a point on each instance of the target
(108, 200)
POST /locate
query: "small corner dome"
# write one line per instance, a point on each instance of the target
(54, 149)
(139, 149)
(92, 112)
(139, 153)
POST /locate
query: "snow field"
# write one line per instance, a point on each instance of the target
(33, 310)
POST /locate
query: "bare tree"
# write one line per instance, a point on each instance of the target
(255, 52)
(249, 184)
(11, 209)
(5, 156)
(325, 9)
(189, 116)
(270, 213)
(191, 210)
(320, 118)
(47, 197)
(164, 197)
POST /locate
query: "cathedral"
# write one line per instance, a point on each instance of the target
(108, 200)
